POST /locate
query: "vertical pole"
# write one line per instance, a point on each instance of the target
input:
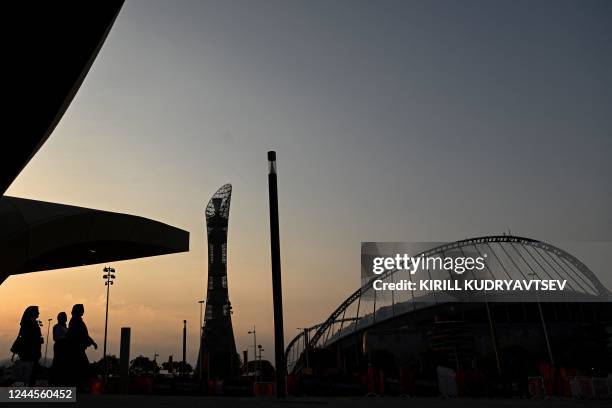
(256, 365)
(47, 341)
(124, 359)
(184, 365)
(201, 355)
(277, 292)
(106, 331)
(109, 281)
(549, 349)
(201, 324)
(306, 347)
(493, 338)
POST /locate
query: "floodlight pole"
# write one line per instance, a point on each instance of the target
(108, 281)
(277, 292)
(256, 366)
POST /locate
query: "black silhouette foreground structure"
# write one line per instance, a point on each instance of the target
(58, 42)
(39, 236)
(493, 346)
(217, 358)
(277, 290)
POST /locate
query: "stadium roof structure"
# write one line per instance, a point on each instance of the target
(58, 43)
(510, 257)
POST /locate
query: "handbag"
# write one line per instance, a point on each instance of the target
(17, 347)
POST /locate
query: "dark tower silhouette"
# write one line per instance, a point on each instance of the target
(218, 358)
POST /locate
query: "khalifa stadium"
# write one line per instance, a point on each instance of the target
(424, 343)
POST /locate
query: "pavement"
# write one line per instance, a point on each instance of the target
(153, 401)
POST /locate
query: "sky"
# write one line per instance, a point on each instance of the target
(392, 120)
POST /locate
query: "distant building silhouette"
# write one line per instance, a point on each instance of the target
(218, 358)
(416, 336)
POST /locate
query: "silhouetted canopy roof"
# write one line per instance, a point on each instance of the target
(55, 46)
(56, 43)
(37, 235)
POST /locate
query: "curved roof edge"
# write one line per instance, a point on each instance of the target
(38, 236)
(58, 43)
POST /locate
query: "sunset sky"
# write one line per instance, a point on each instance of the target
(392, 121)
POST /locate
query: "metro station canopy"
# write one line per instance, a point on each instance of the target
(40, 236)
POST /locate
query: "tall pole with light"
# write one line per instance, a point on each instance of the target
(254, 333)
(201, 359)
(277, 290)
(47, 343)
(260, 349)
(184, 362)
(201, 302)
(109, 277)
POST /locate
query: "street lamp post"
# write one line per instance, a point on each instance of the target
(109, 276)
(260, 348)
(47, 343)
(184, 362)
(155, 366)
(201, 357)
(254, 333)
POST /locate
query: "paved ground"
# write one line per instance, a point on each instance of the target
(137, 401)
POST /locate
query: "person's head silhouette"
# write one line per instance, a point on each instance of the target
(78, 310)
(30, 314)
(62, 318)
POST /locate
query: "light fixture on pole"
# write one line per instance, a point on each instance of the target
(109, 277)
